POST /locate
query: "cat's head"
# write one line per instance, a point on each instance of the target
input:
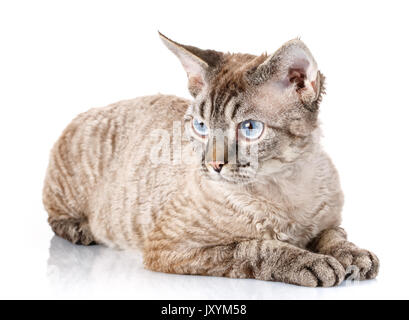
(251, 114)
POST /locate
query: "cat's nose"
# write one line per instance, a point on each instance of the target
(217, 165)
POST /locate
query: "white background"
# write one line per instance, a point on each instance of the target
(58, 59)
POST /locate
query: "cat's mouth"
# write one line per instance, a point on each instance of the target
(238, 175)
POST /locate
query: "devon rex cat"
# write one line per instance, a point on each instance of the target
(246, 190)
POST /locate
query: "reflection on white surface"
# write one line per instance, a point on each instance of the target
(100, 272)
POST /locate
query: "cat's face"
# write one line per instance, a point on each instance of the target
(251, 115)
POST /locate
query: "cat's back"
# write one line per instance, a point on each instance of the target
(93, 143)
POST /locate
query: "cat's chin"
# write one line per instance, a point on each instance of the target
(239, 181)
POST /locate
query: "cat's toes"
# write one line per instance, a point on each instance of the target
(368, 264)
(325, 271)
(360, 264)
(374, 270)
(315, 270)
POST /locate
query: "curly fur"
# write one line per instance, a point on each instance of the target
(279, 221)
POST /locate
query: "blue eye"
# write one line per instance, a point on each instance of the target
(200, 128)
(251, 129)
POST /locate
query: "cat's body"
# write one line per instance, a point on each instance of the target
(103, 186)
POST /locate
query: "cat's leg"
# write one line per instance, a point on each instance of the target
(334, 242)
(64, 217)
(259, 259)
(65, 222)
(75, 230)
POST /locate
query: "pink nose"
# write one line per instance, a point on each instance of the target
(217, 165)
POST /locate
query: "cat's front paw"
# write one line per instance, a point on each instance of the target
(359, 264)
(313, 270)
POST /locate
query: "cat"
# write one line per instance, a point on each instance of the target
(246, 190)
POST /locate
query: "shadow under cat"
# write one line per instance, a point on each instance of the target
(100, 272)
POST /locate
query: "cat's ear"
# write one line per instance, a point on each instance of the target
(197, 63)
(293, 68)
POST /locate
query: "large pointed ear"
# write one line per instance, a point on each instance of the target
(198, 63)
(293, 68)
